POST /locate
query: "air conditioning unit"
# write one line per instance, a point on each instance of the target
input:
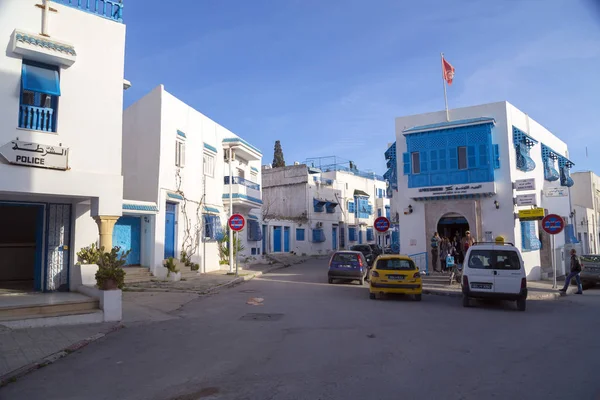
(319, 224)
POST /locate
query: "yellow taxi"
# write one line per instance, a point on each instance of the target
(393, 273)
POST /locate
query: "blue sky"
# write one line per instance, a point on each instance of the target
(329, 77)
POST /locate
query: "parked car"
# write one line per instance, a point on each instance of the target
(348, 265)
(494, 271)
(388, 250)
(590, 272)
(395, 274)
(366, 250)
(376, 249)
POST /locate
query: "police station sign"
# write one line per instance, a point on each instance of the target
(453, 190)
(36, 155)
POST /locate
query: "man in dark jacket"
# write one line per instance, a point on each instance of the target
(575, 271)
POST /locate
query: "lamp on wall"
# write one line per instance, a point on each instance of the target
(408, 210)
(146, 219)
(496, 204)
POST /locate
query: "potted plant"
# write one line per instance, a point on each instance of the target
(110, 274)
(173, 273)
(89, 255)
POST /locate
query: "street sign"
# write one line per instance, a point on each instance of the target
(526, 200)
(36, 155)
(534, 214)
(237, 222)
(553, 224)
(382, 224)
(525, 184)
(556, 192)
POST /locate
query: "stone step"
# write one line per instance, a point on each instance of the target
(44, 309)
(53, 319)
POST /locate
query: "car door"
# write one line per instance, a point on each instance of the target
(479, 271)
(507, 270)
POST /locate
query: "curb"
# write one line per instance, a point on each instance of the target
(52, 358)
(530, 296)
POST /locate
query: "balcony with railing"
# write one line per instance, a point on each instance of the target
(37, 118)
(243, 191)
(111, 9)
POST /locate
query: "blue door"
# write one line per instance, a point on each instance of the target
(286, 239)
(276, 239)
(360, 237)
(170, 230)
(334, 238)
(127, 235)
(264, 239)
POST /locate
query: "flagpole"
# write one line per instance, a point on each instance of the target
(445, 94)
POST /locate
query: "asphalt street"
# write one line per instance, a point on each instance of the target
(311, 340)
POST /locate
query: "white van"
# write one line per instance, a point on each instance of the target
(494, 271)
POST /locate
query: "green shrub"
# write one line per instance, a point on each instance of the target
(90, 254)
(171, 266)
(110, 267)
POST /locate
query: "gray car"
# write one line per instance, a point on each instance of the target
(590, 272)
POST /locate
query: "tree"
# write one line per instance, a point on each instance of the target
(278, 160)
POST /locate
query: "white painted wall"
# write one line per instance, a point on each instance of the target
(414, 239)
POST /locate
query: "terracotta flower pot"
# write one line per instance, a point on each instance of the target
(109, 284)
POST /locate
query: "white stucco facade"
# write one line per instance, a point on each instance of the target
(487, 205)
(585, 196)
(299, 200)
(175, 157)
(60, 135)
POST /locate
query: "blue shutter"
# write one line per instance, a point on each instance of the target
(352, 234)
(406, 161)
(217, 228)
(453, 156)
(299, 234)
(40, 79)
(496, 157)
(471, 157)
(370, 234)
(351, 207)
(529, 240)
(379, 212)
(208, 232)
(434, 160)
(483, 155)
(442, 159)
(423, 156)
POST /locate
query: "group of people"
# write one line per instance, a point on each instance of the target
(455, 247)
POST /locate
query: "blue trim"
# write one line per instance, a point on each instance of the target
(174, 196)
(451, 124)
(40, 78)
(244, 197)
(240, 140)
(253, 217)
(211, 210)
(209, 147)
(138, 207)
(181, 134)
(300, 234)
(45, 43)
(253, 169)
(109, 9)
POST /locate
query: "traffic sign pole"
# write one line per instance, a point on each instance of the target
(553, 224)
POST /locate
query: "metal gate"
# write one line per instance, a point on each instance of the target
(58, 241)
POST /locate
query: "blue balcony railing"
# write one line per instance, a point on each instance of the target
(38, 118)
(111, 9)
(237, 180)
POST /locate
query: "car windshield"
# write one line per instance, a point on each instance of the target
(345, 257)
(593, 258)
(395, 264)
(361, 248)
(494, 259)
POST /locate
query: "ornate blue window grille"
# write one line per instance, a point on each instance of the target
(212, 227)
(523, 144)
(565, 176)
(391, 175)
(351, 208)
(529, 240)
(549, 158)
(254, 231)
(318, 236)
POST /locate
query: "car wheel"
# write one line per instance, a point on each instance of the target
(417, 297)
(372, 296)
(521, 305)
(330, 280)
(466, 301)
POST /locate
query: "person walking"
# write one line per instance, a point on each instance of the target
(468, 241)
(575, 271)
(435, 247)
(444, 251)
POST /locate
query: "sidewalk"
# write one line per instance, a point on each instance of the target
(438, 284)
(24, 350)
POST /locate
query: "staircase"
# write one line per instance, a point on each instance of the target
(37, 310)
(137, 275)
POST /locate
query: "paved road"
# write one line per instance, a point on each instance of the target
(332, 342)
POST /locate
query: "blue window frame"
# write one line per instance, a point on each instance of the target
(406, 163)
(352, 234)
(529, 240)
(496, 156)
(523, 144)
(330, 207)
(370, 236)
(387, 212)
(213, 230)
(379, 212)
(318, 235)
(363, 208)
(299, 234)
(254, 231)
(319, 205)
(40, 89)
(351, 208)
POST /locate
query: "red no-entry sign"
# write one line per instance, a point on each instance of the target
(553, 224)
(382, 224)
(237, 222)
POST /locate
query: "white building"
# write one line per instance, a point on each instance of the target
(585, 195)
(310, 210)
(61, 96)
(179, 159)
(462, 175)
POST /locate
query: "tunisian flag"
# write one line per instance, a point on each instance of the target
(448, 71)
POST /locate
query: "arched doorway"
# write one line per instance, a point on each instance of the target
(452, 223)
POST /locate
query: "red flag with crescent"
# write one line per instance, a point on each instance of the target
(448, 71)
